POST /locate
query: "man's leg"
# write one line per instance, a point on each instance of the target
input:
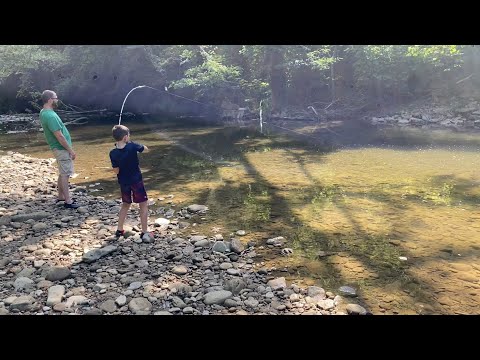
(61, 196)
(65, 169)
(63, 182)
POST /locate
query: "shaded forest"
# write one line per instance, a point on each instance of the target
(282, 77)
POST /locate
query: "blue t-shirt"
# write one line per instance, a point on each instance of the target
(127, 160)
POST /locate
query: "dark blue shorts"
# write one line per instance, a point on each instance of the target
(136, 190)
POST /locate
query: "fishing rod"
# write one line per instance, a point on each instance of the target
(198, 102)
(150, 87)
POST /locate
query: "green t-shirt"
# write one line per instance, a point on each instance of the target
(51, 122)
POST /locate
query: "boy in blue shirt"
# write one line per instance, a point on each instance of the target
(125, 164)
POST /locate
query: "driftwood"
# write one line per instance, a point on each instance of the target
(81, 116)
(73, 113)
(76, 121)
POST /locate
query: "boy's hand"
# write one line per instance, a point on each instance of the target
(72, 155)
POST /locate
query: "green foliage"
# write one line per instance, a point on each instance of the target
(328, 192)
(16, 59)
(211, 73)
(439, 56)
(257, 207)
(380, 62)
(392, 64)
(278, 74)
(322, 58)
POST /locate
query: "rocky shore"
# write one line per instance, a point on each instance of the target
(61, 261)
(457, 114)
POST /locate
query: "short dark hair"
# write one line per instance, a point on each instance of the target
(47, 95)
(119, 132)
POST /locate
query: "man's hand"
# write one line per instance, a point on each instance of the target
(145, 149)
(61, 139)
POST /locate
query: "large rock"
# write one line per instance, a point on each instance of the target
(57, 274)
(24, 283)
(221, 247)
(108, 306)
(217, 297)
(26, 272)
(355, 309)
(35, 216)
(196, 208)
(180, 289)
(236, 246)
(4, 262)
(347, 291)
(5, 220)
(162, 221)
(235, 285)
(139, 305)
(23, 303)
(55, 295)
(180, 270)
(277, 283)
(315, 292)
(196, 238)
(276, 241)
(96, 254)
(39, 227)
(76, 300)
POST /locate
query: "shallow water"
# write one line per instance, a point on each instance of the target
(393, 213)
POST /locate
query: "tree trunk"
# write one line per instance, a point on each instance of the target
(278, 78)
(332, 76)
(379, 91)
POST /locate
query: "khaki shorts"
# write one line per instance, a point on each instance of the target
(65, 162)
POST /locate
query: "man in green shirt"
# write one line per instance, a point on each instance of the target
(59, 140)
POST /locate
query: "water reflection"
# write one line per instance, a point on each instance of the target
(394, 213)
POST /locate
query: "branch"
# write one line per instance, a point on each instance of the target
(333, 102)
(468, 77)
(76, 121)
(70, 107)
(80, 112)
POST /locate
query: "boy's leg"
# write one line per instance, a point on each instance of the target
(126, 192)
(144, 215)
(123, 215)
(140, 197)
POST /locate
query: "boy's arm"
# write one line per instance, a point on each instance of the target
(141, 148)
(115, 167)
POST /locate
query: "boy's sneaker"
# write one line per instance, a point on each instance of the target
(119, 233)
(149, 238)
(58, 200)
(71, 206)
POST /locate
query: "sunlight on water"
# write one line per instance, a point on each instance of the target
(399, 223)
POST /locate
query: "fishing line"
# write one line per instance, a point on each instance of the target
(150, 87)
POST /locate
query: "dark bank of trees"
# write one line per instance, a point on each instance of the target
(283, 76)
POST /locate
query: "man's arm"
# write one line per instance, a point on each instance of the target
(145, 149)
(61, 139)
(116, 170)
